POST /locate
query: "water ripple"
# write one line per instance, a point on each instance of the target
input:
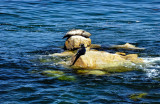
(34, 28)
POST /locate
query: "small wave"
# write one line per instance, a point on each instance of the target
(152, 68)
(151, 59)
(9, 14)
(152, 73)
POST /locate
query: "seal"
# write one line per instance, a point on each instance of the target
(77, 32)
(80, 52)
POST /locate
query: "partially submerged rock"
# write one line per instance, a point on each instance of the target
(74, 42)
(65, 53)
(60, 75)
(104, 60)
(67, 78)
(132, 57)
(137, 96)
(127, 46)
(52, 73)
(92, 72)
(95, 46)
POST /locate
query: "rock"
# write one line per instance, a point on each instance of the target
(121, 53)
(137, 96)
(55, 58)
(132, 57)
(60, 75)
(62, 58)
(74, 42)
(92, 72)
(104, 60)
(65, 53)
(127, 46)
(67, 78)
(79, 32)
(95, 46)
(52, 73)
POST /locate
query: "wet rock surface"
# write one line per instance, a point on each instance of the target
(104, 60)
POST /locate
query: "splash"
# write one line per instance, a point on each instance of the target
(152, 68)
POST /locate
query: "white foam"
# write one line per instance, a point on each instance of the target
(152, 69)
(151, 59)
(152, 72)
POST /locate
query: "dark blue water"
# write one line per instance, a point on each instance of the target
(33, 28)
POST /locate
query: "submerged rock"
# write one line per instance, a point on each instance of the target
(67, 78)
(137, 96)
(65, 53)
(52, 73)
(60, 75)
(92, 72)
(74, 42)
(103, 61)
(127, 46)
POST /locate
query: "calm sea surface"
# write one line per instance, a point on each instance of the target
(30, 29)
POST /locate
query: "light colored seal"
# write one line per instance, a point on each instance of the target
(77, 32)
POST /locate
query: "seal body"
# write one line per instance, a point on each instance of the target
(77, 32)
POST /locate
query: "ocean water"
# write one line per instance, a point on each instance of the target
(30, 29)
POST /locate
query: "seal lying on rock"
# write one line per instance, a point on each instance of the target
(77, 32)
(80, 52)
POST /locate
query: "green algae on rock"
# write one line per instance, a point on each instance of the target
(91, 72)
(137, 96)
(60, 75)
(65, 53)
(52, 73)
(54, 59)
(67, 78)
